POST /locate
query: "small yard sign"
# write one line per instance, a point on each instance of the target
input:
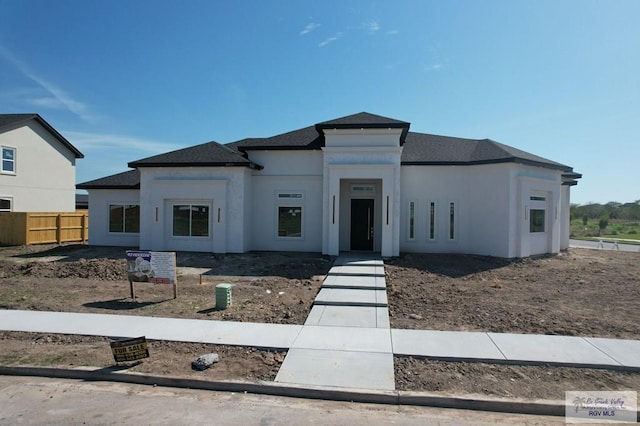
(152, 266)
(130, 349)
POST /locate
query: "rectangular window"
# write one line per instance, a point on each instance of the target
(290, 222)
(290, 196)
(190, 220)
(536, 220)
(432, 220)
(535, 198)
(362, 188)
(8, 160)
(124, 218)
(412, 215)
(5, 204)
(452, 220)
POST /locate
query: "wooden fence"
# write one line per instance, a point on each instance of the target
(43, 228)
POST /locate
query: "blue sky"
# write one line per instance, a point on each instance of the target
(123, 80)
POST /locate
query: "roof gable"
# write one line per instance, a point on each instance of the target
(203, 155)
(10, 120)
(124, 180)
(365, 120)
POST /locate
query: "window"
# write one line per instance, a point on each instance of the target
(536, 220)
(190, 220)
(289, 207)
(362, 188)
(5, 204)
(412, 215)
(124, 218)
(535, 198)
(452, 220)
(290, 222)
(289, 196)
(8, 160)
(432, 220)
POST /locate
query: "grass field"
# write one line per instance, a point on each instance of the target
(615, 230)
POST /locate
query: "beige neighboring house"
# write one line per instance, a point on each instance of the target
(38, 169)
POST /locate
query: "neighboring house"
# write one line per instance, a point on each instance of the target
(38, 172)
(361, 182)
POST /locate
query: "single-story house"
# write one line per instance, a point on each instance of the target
(357, 183)
(38, 166)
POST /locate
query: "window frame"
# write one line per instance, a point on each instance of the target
(124, 206)
(10, 200)
(532, 218)
(13, 160)
(452, 220)
(432, 220)
(289, 199)
(190, 205)
(412, 208)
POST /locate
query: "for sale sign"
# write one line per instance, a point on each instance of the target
(130, 349)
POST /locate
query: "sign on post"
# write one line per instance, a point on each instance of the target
(130, 349)
(156, 267)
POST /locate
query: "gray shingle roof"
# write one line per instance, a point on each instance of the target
(206, 154)
(7, 120)
(124, 180)
(426, 149)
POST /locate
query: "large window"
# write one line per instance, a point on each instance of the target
(289, 211)
(5, 204)
(290, 222)
(190, 220)
(124, 218)
(536, 220)
(8, 160)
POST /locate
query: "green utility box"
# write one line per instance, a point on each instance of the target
(223, 295)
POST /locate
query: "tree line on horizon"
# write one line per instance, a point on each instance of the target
(611, 210)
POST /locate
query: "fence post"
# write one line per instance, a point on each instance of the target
(59, 226)
(82, 225)
(27, 228)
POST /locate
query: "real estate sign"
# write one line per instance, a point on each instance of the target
(156, 267)
(130, 349)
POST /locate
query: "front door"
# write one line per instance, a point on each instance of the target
(361, 224)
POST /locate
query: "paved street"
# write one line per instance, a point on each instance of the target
(606, 245)
(41, 401)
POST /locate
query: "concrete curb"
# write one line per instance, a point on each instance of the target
(534, 407)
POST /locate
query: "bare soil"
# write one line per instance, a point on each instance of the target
(581, 292)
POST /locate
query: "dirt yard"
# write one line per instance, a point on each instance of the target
(583, 292)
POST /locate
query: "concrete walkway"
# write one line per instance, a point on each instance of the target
(346, 340)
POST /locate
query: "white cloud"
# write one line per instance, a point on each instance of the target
(59, 98)
(371, 27)
(433, 67)
(336, 37)
(393, 32)
(310, 27)
(86, 141)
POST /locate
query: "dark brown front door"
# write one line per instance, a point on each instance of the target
(361, 224)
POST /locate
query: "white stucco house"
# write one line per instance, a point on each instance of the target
(38, 169)
(356, 183)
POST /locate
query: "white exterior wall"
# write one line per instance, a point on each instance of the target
(286, 172)
(565, 216)
(481, 196)
(99, 201)
(221, 188)
(45, 172)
